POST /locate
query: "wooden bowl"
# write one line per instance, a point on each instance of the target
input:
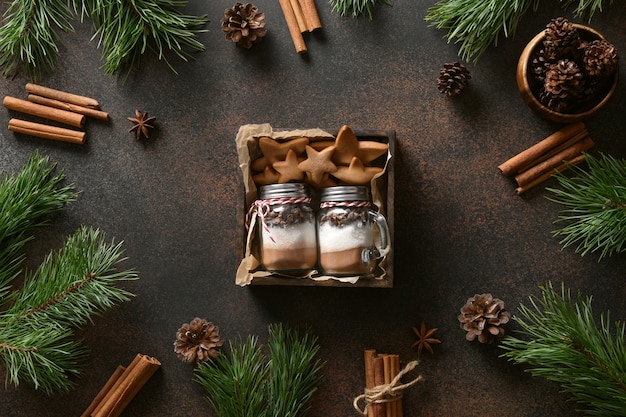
(529, 89)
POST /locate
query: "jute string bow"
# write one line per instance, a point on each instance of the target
(387, 392)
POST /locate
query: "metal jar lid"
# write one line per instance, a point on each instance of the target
(292, 189)
(345, 193)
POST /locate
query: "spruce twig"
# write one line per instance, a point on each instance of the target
(249, 383)
(357, 8)
(125, 29)
(64, 292)
(563, 344)
(477, 24)
(26, 202)
(595, 201)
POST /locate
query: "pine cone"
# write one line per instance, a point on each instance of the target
(561, 39)
(197, 341)
(482, 316)
(243, 24)
(540, 64)
(564, 82)
(453, 78)
(599, 58)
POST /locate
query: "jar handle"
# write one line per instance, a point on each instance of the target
(371, 254)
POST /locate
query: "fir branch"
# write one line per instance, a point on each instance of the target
(71, 286)
(236, 383)
(357, 8)
(247, 383)
(28, 36)
(126, 29)
(26, 201)
(66, 290)
(595, 201)
(293, 371)
(565, 345)
(46, 357)
(477, 24)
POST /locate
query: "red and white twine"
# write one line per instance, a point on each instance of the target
(262, 208)
(328, 204)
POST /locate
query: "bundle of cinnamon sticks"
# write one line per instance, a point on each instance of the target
(59, 106)
(301, 16)
(381, 369)
(552, 155)
(122, 387)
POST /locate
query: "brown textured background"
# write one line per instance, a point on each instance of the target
(460, 229)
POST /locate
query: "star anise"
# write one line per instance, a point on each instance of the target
(142, 124)
(425, 339)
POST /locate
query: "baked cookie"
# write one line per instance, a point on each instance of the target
(347, 146)
(268, 176)
(288, 169)
(356, 173)
(318, 164)
(274, 151)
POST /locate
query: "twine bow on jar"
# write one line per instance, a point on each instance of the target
(262, 208)
(385, 393)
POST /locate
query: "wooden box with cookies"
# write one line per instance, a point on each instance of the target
(317, 207)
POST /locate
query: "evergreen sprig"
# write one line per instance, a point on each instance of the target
(64, 292)
(357, 8)
(29, 35)
(125, 30)
(595, 201)
(563, 343)
(26, 202)
(247, 382)
(477, 24)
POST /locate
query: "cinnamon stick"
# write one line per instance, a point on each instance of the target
(297, 11)
(126, 386)
(46, 131)
(50, 113)
(87, 111)
(292, 25)
(369, 355)
(379, 409)
(62, 96)
(387, 372)
(538, 170)
(527, 157)
(395, 370)
(311, 16)
(564, 166)
(104, 390)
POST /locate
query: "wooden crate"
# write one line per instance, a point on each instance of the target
(387, 179)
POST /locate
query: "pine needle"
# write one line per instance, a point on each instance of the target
(246, 382)
(26, 201)
(477, 25)
(595, 201)
(357, 8)
(563, 343)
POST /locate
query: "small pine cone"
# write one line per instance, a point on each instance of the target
(482, 317)
(599, 58)
(564, 81)
(540, 64)
(561, 39)
(198, 341)
(554, 103)
(453, 78)
(243, 24)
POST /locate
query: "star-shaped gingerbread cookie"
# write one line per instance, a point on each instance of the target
(318, 164)
(288, 169)
(268, 176)
(356, 173)
(274, 151)
(347, 146)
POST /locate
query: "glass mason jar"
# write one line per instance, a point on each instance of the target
(351, 236)
(287, 224)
